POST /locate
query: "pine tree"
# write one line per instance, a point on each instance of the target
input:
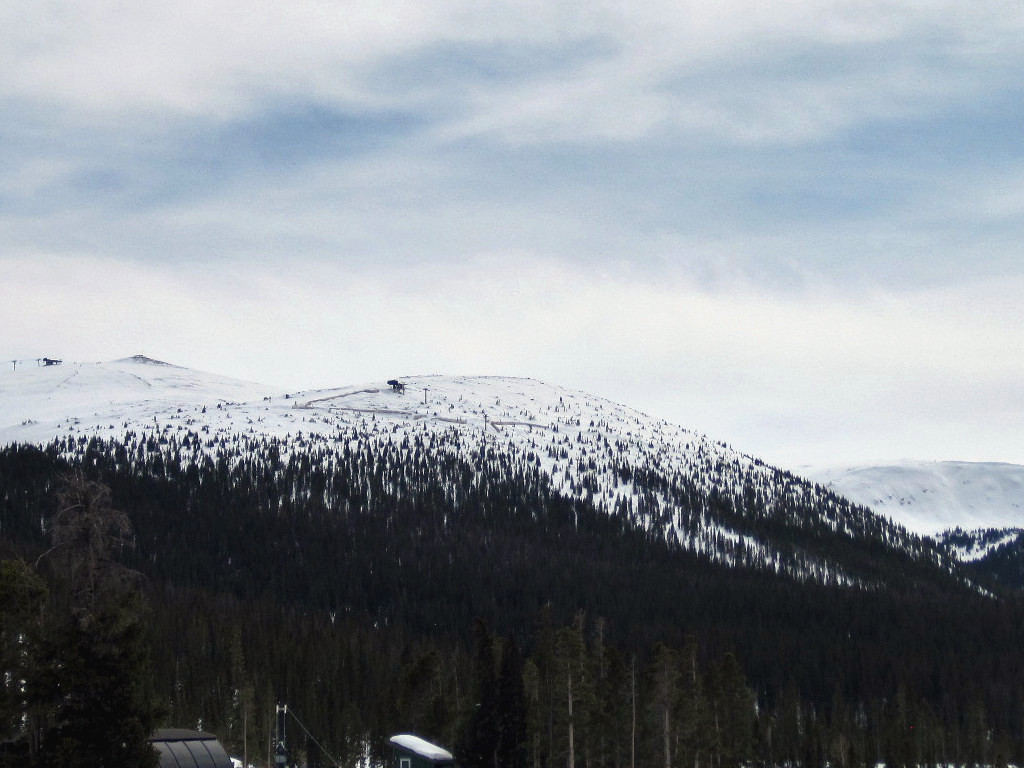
(423, 705)
(105, 709)
(102, 705)
(511, 707)
(695, 734)
(898, 736)
(240, 717)
(544, 658)
(84, 533)
(663, 704)
(480, 740)
(573, 693)
(23, 596)
(839, 745)
(788, 733)
(733, 713)
(978, 741)
(534, 711)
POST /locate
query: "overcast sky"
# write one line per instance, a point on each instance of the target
(797, 227)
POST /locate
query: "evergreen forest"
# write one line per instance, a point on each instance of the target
(382, 588)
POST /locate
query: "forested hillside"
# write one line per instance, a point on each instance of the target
(691, 491)
(409, 584)
(991, 555)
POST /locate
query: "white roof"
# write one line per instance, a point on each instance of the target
(421, 747)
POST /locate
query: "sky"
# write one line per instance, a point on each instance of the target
(796, 227)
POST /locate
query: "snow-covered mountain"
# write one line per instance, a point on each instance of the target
(932, 497)
(974, 510)
(694, 492)
(38, 403)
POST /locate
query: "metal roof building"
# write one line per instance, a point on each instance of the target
(182, 748)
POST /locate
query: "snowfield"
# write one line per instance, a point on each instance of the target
(40, 403)
(561, 426)
(931, 497)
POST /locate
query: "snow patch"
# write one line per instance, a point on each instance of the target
(421, 747)
(931, 497)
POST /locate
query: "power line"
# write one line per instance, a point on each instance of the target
(290, 711)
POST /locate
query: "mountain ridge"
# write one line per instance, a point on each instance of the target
(695, 492)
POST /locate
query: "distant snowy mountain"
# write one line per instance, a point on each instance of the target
(38, 403)
(693, 492)
(974, 510)
(932, 497)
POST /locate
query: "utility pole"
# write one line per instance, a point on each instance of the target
(245, 731)
(281, 751)
(424, 395)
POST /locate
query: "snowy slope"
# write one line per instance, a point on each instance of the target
(107, 399)
(930, 497)
(698, 493)
(39, 403)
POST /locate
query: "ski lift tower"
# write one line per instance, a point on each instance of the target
(281, 747)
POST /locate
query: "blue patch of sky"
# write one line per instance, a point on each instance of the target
(677, 185)
(31, 142)
(453, 66)
(780, 62)
(150, 166)
(861, 173)
(705, 182)
(276, 144)
(828, 210)
(981, 133)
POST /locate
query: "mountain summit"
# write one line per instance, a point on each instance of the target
(688, 490)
